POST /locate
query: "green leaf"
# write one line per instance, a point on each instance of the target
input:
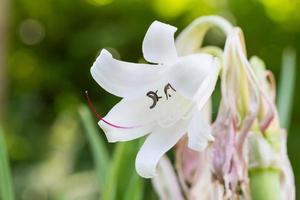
(109, 192)
(286, 86)
(6, 187)
(121, 178)
(99, 150)
(135, 188)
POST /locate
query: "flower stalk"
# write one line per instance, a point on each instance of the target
(265, 184)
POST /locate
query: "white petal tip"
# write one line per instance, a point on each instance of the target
(211, 138)
(201, 145)
(161, 24)
(108, 132)
(105, 52)
(144, 171)
(158, 45)
(146, 176)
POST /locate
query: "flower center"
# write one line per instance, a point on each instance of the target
(155, 97)
(170, 105)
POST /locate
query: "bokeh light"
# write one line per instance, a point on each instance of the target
(31, 31)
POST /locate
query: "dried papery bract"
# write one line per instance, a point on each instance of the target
(234, 120)
(287, 182)
(247, 132)
(236, 115)
(193, 169)
(229, 163)
(267, 146)
(165, 182)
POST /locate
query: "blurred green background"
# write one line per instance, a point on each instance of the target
(46, 50)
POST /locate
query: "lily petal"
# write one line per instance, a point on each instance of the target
(195, 77)
(129, 113)
(159, 44)
(205, 91)
(156, 145)
(125, 79)
(199, 132)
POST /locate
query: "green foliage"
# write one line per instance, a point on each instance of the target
(6, 187)
(135, 187)
(286, 86)
(99, 150)
(122, 180)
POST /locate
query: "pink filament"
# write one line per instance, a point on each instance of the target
(102, 118)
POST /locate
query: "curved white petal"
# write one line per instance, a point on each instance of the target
(125, 79)
(156, 145)
(199, 132)
(195, 77)
(159, 44)
(134, 114)
(205, 91)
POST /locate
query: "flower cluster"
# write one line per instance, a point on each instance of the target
(169, 101)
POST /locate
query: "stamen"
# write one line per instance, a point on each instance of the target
(92, 107)
(154, 96)
(167, 87)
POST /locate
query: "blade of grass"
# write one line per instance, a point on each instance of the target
(286, 86)
(99, 150)
(6, 187)
(135, 188)
(109, 192)
(121, 180)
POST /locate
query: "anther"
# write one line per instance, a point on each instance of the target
(167, 87)
(154, 96)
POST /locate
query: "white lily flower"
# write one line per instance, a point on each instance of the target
(163, 100)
